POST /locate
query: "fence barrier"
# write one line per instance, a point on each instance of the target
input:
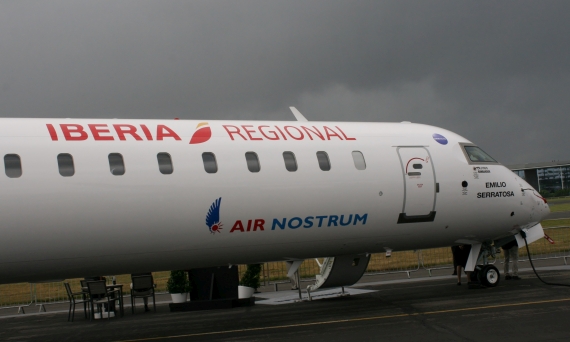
(23, 295)
(50, 293)
(16, 296)
(398, 262)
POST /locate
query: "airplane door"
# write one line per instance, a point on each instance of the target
(419, 185)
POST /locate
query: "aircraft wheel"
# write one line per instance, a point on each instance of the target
(489, 276)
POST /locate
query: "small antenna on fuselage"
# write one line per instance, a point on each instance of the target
(298, 114)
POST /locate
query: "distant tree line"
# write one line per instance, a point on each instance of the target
(557, 193)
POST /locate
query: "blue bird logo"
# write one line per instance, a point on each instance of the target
(213, 217)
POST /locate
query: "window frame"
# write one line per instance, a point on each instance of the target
(354, 160)
(253, 165)
(170, 165)
(470, 162)
(215, 162)
(21, 171)
(294, 161)
(111, 166)
(328, 160)
(60, 168)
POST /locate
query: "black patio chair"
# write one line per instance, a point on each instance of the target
(72, 301)
(98, 295)
(142, 287)
(84, 285)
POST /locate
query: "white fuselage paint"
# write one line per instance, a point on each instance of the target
(92, 223)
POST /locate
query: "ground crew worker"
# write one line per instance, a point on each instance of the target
(511, 250)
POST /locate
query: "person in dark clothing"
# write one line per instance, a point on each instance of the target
(462, 255)
(511, 250)
(453, 253)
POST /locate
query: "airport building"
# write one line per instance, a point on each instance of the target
(551, 178)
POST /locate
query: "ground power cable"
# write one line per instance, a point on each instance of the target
(523, 234)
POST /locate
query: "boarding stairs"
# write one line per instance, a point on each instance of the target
(339, 271)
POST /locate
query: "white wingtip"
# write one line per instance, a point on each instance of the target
(298, 114)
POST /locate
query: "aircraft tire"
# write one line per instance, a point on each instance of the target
(489, 276)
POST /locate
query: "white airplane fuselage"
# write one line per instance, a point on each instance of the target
(419, 189)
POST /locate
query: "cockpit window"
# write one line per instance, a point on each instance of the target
(477, 155)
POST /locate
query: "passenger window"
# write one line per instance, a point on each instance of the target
(164, 163)
(12, 165)
(116, 164)
(324, 162)
(65, 164)
(477, 155)
(210, 164)
(290, 161)
(358, 159)
(252, 162)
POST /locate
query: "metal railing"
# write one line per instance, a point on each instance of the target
(398, 262)
(16, 296)
(275, 273)
(436, 259)
(51, 293)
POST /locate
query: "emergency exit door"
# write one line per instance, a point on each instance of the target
(419, 185)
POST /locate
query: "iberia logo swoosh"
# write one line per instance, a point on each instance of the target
(203, 133)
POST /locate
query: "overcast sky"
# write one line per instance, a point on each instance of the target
(496, 72)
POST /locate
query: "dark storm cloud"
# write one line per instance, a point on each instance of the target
(495, 72)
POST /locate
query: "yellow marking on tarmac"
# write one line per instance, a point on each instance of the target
(351, 320)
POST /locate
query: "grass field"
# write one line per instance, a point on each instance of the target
(555, 208)
(22, 294)
(555, 223)
(558, 199)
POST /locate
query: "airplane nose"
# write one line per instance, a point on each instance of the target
(546, 211)
(536, 204)
(542, 206)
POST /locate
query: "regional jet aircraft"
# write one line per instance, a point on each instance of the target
(90, 196)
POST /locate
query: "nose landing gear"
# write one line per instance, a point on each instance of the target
(487, 275)
(484, 274)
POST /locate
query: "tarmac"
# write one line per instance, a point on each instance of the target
(389, 307)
